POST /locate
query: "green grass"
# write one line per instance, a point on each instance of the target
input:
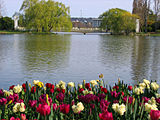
(148, 34)
(20, 32)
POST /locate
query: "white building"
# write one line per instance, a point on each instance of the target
(16, 18)
(137, 26)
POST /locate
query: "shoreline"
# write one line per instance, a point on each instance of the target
(25, 32)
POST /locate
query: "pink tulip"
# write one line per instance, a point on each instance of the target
(12, 118)
(64, 108)
(155, 114)
(55, 107)
(106, 116)
(44, 109)
(23, 117)
(3, 101)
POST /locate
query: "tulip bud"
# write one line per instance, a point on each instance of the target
(23, 116)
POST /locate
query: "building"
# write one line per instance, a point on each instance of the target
(96, 22)
(86, 22)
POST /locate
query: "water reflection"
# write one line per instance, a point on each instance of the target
(77, 57)
(130, 58)
(27, 57)
(43, 54)
(145, 58)
(115, 52)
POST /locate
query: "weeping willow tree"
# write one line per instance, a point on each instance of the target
(118, 21)
(45, 15)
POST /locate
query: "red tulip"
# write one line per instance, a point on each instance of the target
(155, 114)
(81, 90)
(129, 88)
(52, 91)
(48, 85)
(11, 87)
(90, 89)
(122, 93)
(33, 89)
(87, 85)
(52, 86)
(58, 89)
(116, 87)
(63, 91)
(104, 90)
(44, 109)
(24, 86)
(106, 116)
(64, 108)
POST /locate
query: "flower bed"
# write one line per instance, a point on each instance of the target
(88, 101)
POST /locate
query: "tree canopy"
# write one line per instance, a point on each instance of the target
(6, 23)
(45, 15)
(118, 21)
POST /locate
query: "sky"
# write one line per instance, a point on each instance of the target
(78, 8)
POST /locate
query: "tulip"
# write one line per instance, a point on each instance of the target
(81, 90)
(64, 108)
(51, 91)
(58, 89)
(12, 118)
(70, 84)
(130, 99)
(78, 108)
(11, 87)
(23, 117)
(44, 109)
(101, 76)
(116, 87)
(1, 93)
(129, 88)
(60, 97)
(3, 101)
(87, 85)
(24, 86)
(106, 116)
(104, 90)
(122, 93)
(32, 103)
(48, 85)
(63, 91)
(55, 107)
(155, 114)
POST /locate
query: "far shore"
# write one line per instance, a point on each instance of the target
(26, 32)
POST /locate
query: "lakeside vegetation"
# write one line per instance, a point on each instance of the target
(24, 32)
(89, 100)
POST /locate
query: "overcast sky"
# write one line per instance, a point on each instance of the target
(78, 8)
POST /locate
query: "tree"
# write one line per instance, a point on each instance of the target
(157, 11)
(141, 8)
(118, 21)
(45, 15)
(6, 23)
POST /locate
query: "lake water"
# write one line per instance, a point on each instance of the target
(74, 57)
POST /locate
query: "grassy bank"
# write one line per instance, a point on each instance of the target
(22, 32)
(148, 34)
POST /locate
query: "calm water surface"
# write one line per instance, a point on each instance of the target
(75, 57)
